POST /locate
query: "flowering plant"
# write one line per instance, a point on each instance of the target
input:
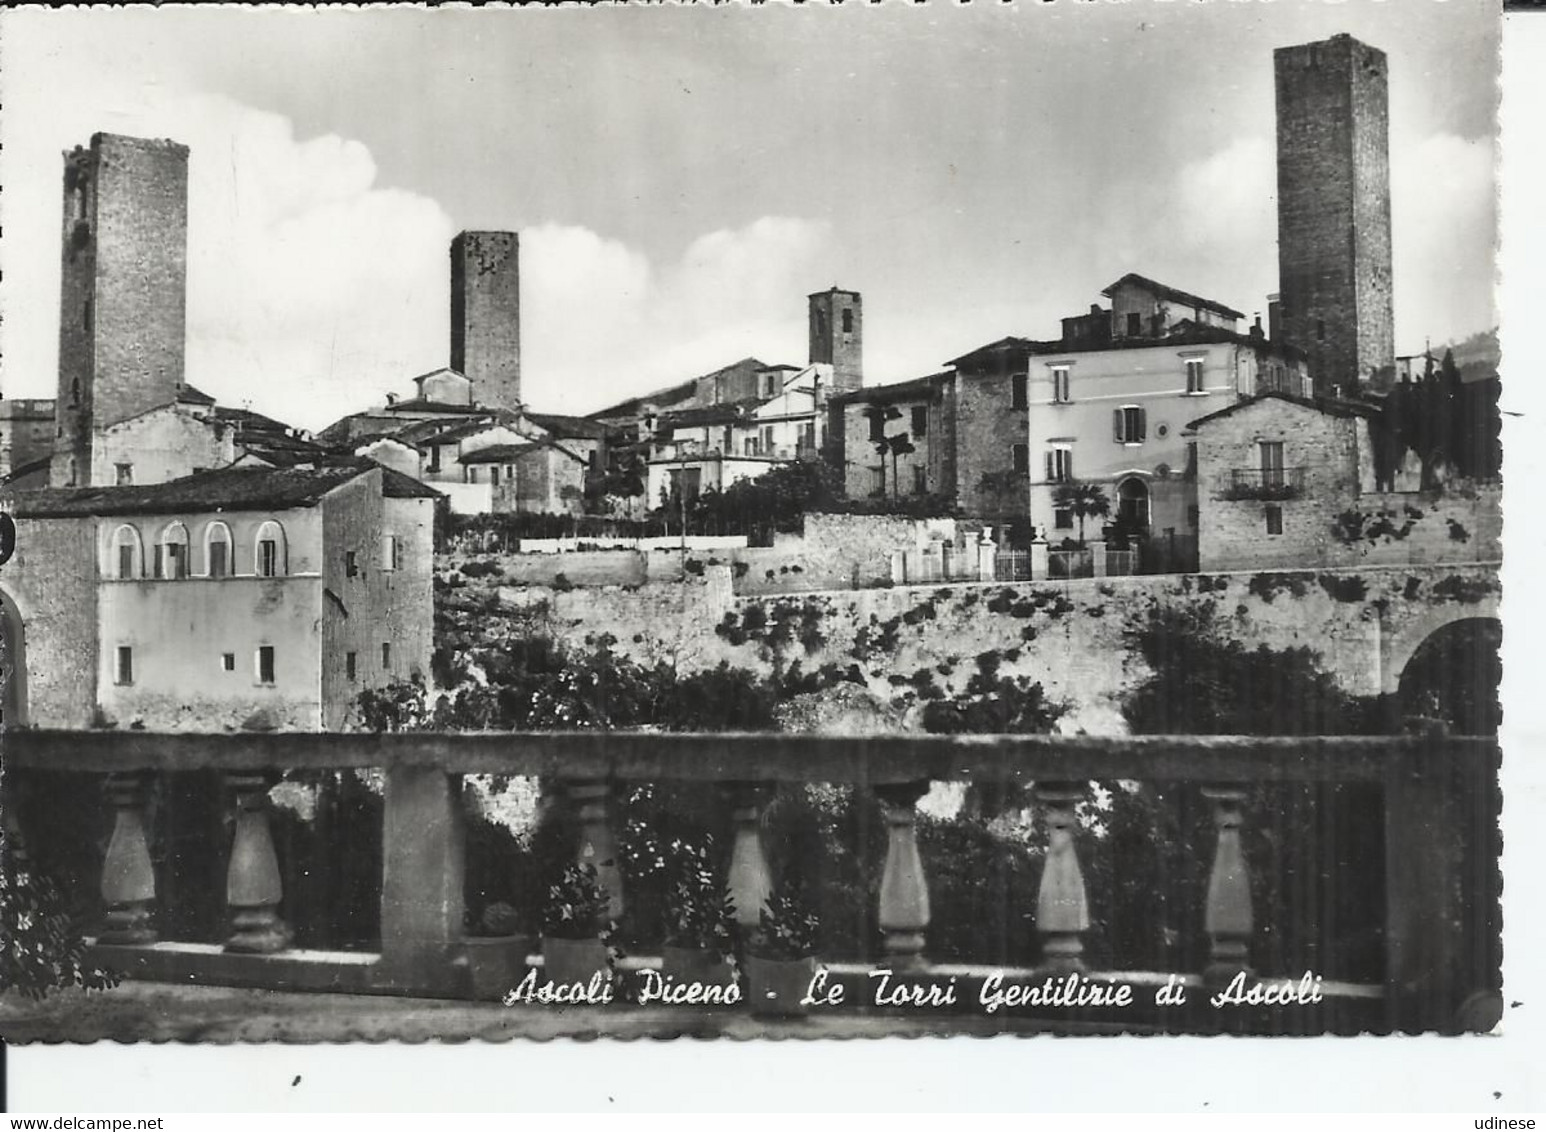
(577, 906)
(786, 930)
(699, 912)
(40, 947)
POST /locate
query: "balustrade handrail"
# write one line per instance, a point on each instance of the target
(1431, 956)
(758, 756)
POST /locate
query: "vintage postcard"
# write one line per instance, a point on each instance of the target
(778, 521)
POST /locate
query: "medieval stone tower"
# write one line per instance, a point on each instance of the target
(123, 293)
(1334, 211)
(837, 336)
(486, 315)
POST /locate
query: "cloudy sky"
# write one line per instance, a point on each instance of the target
(683, 177)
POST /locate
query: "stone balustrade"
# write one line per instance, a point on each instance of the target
(1430, 922)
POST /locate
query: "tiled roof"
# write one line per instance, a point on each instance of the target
(1319, 405)
(674, 394)
(1185, 298)
(192, 396)
(495, 454)
(570, 428)
(896, 391)
(226, 489)
(1183, 333)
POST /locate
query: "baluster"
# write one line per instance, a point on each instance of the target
(1062, 910)
(598, 847)
(1227, 917)
(128, 879)
(750, 881)
(252, 889)
(904, 890)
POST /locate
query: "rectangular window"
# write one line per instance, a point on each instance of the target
(386, 654)
(1274, 519)
(126, 561)
(177, 560)
(1194, 375)
(1063, 517)
(390, 559)
(268, 558)
(123, 474)
(1320, 330)
(350, 666)
(351, 566)
(160, 561)
(848, 321)
(1272, 463)
(920, 479)
(1022, 457)
(1060, 385)
(434, 457)
(1192, 514)
(878, 480)
(1128, 424)
(1134, 324)
(1060, 464)
(228, 662)
(767, 439)
(219, 567)
(123, 673)
(1017, 392)
(265, 664)
(920, 420)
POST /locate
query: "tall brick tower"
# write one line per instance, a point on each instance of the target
(486, 315)
(123, 292)
(837, 336)
(1334, 210)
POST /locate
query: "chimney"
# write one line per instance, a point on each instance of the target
(1274, 317)
(1256, 330)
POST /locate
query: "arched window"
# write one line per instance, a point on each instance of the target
(1133, 503)
(127, 561)
(217, 550)
(172, 552)
(270, 551)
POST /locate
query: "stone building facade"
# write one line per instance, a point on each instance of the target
(123, 294)
(836, 332)
(486, 315)
(240, 597)
(920, 410)
(1273, 473)
(26, 433)
(1334, 243)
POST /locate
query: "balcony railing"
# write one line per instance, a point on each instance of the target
(1439, 796)
(1263, 483)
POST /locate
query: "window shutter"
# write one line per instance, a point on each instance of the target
(1143, 424)
(1051, 471)
(1116, 426)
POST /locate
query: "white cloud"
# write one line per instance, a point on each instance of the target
(1444, 219)
(310, 289)
(600, 323)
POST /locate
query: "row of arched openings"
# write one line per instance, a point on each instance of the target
(172, 553)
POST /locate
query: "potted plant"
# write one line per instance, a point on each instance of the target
(575, 928)
(496, 952)
(780, 957)
(699, 943)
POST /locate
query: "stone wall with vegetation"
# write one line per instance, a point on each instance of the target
(913, 646)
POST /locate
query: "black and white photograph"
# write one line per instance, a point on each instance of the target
(787, 521)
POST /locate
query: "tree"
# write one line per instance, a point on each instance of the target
(899, 445)
(1085, 500)
(879, 416)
